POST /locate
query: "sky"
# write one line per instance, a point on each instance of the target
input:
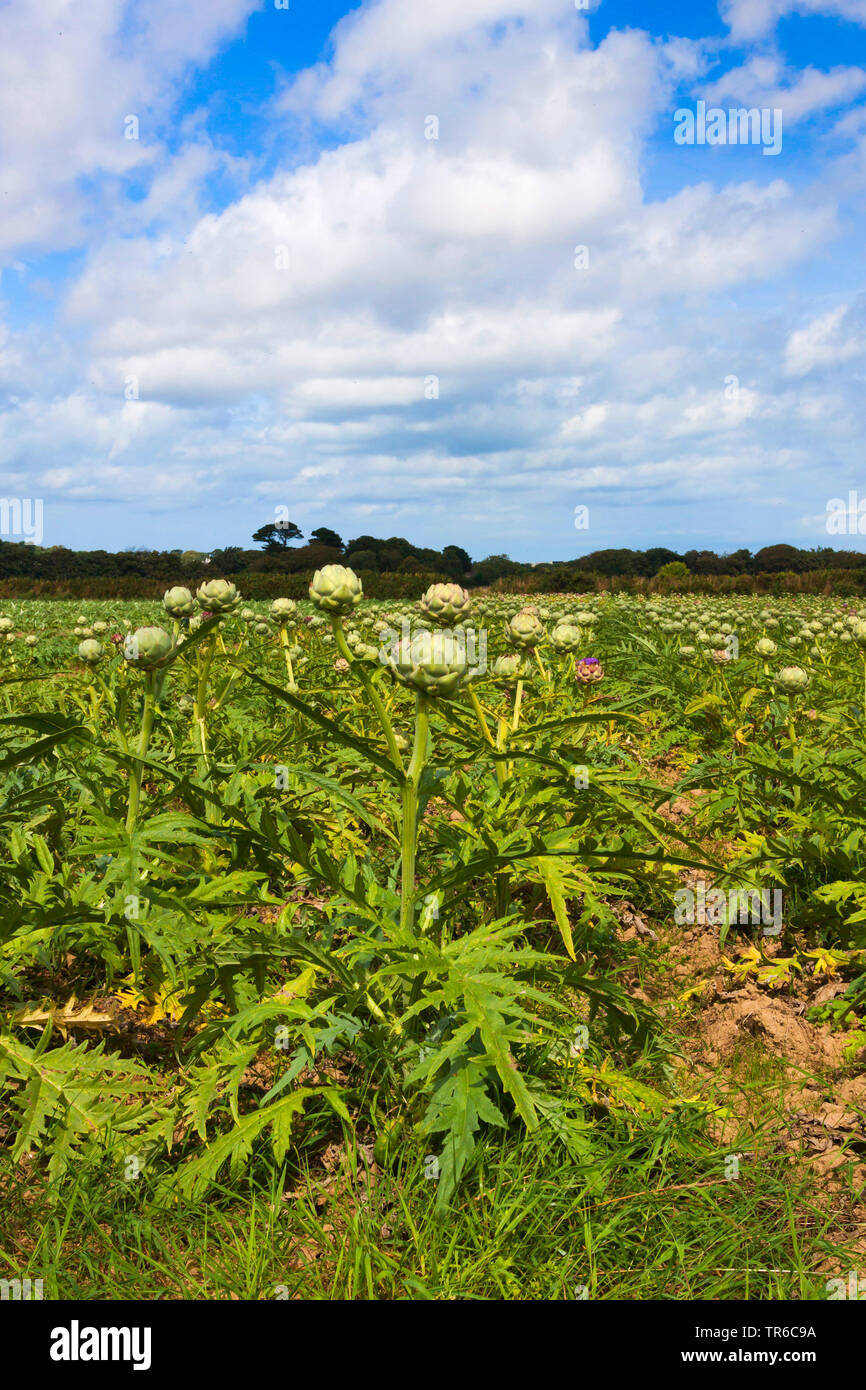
(478, 272)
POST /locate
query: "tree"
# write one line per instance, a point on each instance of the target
(654, 558)
(457, 560)
(365, 560)
(674, 569)
(277, 534)
(610, 562)
(325, 536)
(774, 558)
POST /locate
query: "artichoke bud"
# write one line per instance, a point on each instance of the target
(444, 604)
(433, 663)
(178, 602)
(90, 651)
(565, 637)
(217, 596)
(283, 610)
(509, 667)
(524, 630)
(791, 680)
(336, 589)
(148, 647)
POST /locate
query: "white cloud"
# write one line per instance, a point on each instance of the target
(282, 346)
(68, 80)
(750, 19)
(822, 344)
(764, 81)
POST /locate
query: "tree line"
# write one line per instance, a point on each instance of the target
(278, 553)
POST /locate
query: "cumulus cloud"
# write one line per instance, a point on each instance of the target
(751, 19)
(764, 81)
(426, 332)
(68, 82)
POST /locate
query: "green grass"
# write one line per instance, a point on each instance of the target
(663, 1223)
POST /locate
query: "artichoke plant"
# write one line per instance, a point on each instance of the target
(565, 637)
(148, 647)
(283, 610)
(178, 602)
(335, 590)
(90, 651)
(509, 667)
(433, 663)
(792, 680)
(445, 604)
(218, 596)
(589, 670)
(524, 630)
(765, 647)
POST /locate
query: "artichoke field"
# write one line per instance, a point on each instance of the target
(276, 871)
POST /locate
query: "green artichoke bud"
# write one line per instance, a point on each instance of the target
(791, 680)
(262, 629)
(283, 610)
(858, 632)
(444, 604)
(148, 647)
(178, 602)
(31, 640)
(509, 667)
(6, 625)
(565, 637)
(686, 653)
(524, 630)
(766, 647)
(336, 589)
(217, 596)
(431, 662)
(90, 651)
(99, 628)
(248, 615)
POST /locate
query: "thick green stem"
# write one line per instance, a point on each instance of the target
(375, 698)
(143, 742)
(284, 643)
(409, 834)
(200, 706)
(792, 735)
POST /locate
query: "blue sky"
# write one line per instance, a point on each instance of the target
(437, 271)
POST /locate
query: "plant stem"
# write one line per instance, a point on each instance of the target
(409, 830)
(284, 643)
(143, 742)
(375, 698)
(518, 700)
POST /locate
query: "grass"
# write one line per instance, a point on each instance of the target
(664, 1223)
